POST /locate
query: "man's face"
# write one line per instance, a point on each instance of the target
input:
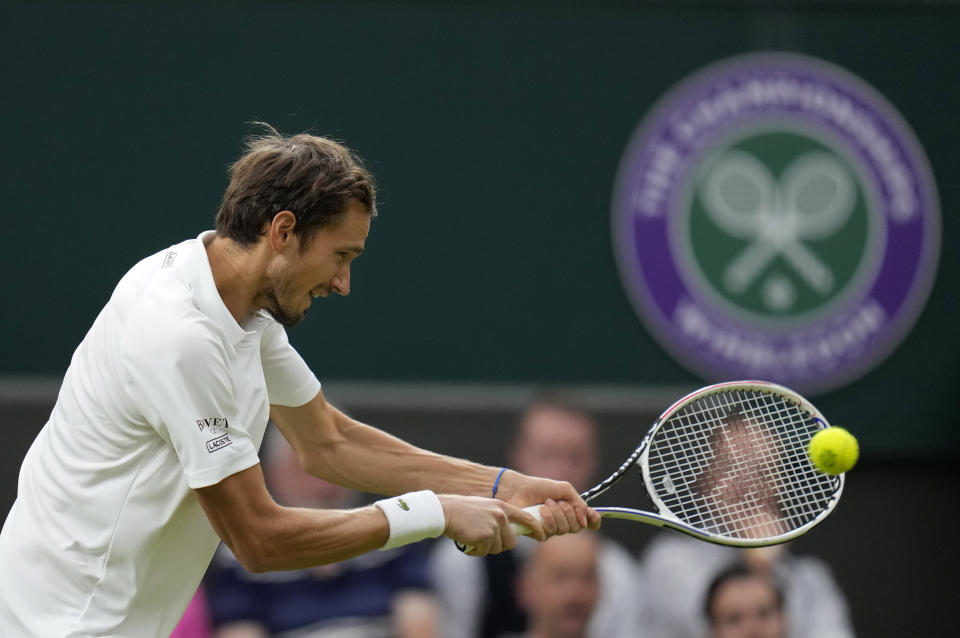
(559, 587)
(297, 276)
(747, 608)
(558, 445)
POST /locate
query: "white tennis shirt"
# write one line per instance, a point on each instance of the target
(165, 393)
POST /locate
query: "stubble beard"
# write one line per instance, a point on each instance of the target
(276, 308)
(284, 317)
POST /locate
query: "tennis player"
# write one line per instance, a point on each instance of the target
(149, 457)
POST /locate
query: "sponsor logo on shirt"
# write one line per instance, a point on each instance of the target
(216, 426)
(403, 505)
(219, 443)
(212, 423)
(168, 259)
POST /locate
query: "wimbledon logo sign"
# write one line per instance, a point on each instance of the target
(775, 218)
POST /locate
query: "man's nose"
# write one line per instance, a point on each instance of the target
(341, 282)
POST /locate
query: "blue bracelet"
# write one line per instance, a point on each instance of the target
(496, 483)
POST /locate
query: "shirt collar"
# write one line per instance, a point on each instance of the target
(196, 271)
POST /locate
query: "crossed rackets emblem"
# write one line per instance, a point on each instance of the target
(812, 200)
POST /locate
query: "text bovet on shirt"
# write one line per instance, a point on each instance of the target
(165, 393)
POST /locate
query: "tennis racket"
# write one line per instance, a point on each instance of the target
(728, 464)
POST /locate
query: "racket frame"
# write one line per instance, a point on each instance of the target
(664, 517)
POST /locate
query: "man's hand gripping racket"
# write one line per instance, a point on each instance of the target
(728, 464)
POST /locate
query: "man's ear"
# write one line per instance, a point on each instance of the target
(280, 231)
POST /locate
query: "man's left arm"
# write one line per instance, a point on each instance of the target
(332, 446)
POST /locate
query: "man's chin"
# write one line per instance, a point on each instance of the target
(286, 319)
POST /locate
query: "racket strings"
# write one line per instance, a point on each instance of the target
(734, 463)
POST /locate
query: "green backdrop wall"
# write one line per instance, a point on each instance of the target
(495, 130)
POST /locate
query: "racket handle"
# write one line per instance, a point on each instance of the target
(523, 530)
(517, 528)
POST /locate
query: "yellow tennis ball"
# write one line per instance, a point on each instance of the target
(834, 450)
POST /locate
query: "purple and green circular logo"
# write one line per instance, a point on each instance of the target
(774, 217)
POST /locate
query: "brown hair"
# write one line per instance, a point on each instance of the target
(737, 571)
(312, 177)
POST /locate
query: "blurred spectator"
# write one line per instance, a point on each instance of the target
(732, 491)
(558, 441)
(744, 603)
(558, 586)
(676, 570)
(375, 595)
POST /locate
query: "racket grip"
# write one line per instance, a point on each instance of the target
(523, 530)
(518, 528)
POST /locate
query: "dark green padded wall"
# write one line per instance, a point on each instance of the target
(495, 130)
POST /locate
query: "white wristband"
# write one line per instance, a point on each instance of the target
(413, 517)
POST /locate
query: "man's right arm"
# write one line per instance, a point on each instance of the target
(265, 536)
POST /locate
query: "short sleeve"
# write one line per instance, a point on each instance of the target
(178, 375)
(290, 381)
